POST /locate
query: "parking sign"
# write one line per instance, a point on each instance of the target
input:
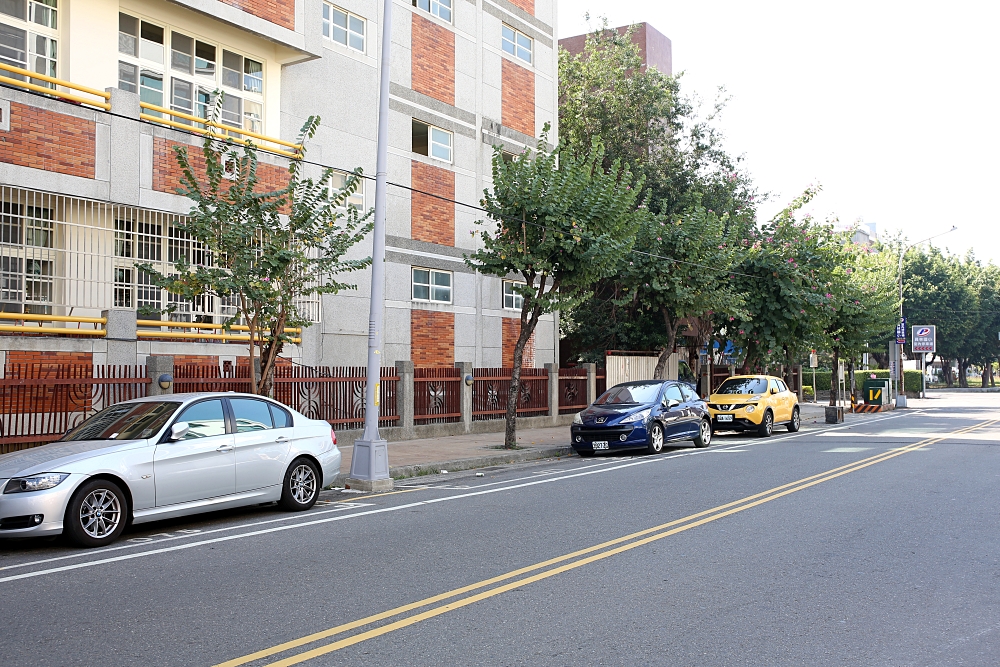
(925, 339)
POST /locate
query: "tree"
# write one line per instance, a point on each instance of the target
(266, 249)
(561, 222)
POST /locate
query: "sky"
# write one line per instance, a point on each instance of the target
(890, 107)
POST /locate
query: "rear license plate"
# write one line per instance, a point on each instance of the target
(724, 418)
(600, 444)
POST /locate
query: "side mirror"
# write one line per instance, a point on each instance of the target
(178, 431)
(774, 390)
(673, 403)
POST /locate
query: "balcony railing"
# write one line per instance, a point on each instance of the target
(40, 328)
(224, 336)
(104, 95)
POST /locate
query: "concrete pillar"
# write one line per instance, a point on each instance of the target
(466, 389)
(157, 367)
(553, 370)
(312, 345)
(127, 163)
(591, 382)
(121, 337)
(404, 394)
(798, 369)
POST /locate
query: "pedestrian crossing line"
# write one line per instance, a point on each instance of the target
(596, 553)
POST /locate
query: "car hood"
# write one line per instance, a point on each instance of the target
(611, 414)
(51, 457)
(734, 399)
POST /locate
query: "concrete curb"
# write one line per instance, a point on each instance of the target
(516, 456)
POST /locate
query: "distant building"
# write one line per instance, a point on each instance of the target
(654, 46)
(864, 232)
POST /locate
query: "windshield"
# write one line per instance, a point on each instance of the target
(629, 393)
(125, 421)
(743, 386)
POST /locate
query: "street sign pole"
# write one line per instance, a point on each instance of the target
(370, 459)
(924, 342)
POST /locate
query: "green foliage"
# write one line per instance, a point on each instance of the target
(265, 250)
(911, 379)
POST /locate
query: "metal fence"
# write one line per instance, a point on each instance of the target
(336, 393)
(572, 390)
(40, 402)
(491, 386)
(437, 395)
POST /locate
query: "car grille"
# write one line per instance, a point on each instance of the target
(725, 406)
(603, 433)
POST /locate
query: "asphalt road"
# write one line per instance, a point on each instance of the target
(871, 543)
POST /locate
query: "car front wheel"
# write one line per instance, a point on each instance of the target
(796, 422)
(301, 486)
(766, 425)
(704, 438)
(655, 438)
(96, 514)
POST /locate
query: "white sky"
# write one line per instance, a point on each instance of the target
(890, 106)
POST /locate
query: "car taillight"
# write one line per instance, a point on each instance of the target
(333, 436)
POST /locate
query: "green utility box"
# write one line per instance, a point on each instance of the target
(876, 392)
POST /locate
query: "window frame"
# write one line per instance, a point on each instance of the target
(329, 27)
(31, 29)
(433, 7)
(515, 297)
(431, 143)
(431, 285)
(515, 44)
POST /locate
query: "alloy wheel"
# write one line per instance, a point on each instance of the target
(100, 513)
(302, 484)
(706, 433)
(656, 438)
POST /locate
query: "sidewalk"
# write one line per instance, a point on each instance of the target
(411, 458)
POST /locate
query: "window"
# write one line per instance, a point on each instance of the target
(151, 42)
(204, 420)
(511, 299)
(28, 37)
(123, 288)
(181, 53)
(431, 285)
(38, 227)
(128, 77)
(151, 88)
(516, 43)
(432, 141)
(343, 27)
(281, 417)
(689, 394)
(673, 393)
(251, 415)
(356, 200)
(439, 8)
(781, 385)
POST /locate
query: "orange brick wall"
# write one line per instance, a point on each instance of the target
(196, 360)
(432, 338)
(432, 61)
(167, 173)
(518, 98)
(280, 12)
(526, 5)
(432, 219)
(48, 140)
(511, 330)
(46, 360)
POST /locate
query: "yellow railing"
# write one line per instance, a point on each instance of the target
(210, 126)
(65, 331)
(104, 95)
(182, 335)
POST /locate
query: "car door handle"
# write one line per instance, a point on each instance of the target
(281, 440)
(225, 448)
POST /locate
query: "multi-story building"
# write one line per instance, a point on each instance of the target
(654, 46)
(88, 176)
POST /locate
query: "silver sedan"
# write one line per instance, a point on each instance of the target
(162, 457)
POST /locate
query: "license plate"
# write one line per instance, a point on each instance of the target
(724, 418)
(600, 444)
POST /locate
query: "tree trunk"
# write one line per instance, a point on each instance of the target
(834, 377)
(946, 374)
(514, 394)
(963, 372)
(661, 362)
(851, 381)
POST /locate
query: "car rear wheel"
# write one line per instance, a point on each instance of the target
(655, 438)
(96, 514)
(301, 487)
(704, 438)
(796, 422)
(766, 425)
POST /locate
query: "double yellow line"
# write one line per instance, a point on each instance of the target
(554, 566)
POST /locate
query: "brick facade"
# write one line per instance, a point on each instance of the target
(167, 173)
(52, 141)
(432, 338)
(18, 359)
(526, 5)
(279, 12)
(432, 61)
(511, 330)
(432, 219)
(196, 360)
(518, 98)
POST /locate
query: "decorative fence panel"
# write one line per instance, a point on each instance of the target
(437, 395)
(572, 390)
(336, 394)
(491, 386)
(203, 377)
(40, 402)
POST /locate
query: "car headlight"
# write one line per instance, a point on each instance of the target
(637, 417)
(41, 482)
(578, 419)
(750, 408)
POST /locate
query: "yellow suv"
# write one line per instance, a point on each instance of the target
(754, 402)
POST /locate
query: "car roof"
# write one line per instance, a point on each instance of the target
(633, 383)
(195, 395)
(758, 377)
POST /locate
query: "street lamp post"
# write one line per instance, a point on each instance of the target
(899, 356)
(370, 457)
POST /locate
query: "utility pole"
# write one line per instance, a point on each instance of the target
(370, 458)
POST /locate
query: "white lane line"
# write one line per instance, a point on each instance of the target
(846, 450)
(144, 541)
(180, 547)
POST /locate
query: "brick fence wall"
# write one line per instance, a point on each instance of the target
(279, 12)
(47, 360)
(432, 338)
(52, 141)
(432, 63)
(518, 98)
(432, 219)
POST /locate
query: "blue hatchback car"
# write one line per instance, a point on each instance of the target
(642, 415)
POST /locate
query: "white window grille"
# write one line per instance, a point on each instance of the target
(431, 285)
(439, 8)
(511, 299)
(29, 37)
(343, 27)
(516, 43)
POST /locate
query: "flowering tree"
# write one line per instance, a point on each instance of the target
(268, 248)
